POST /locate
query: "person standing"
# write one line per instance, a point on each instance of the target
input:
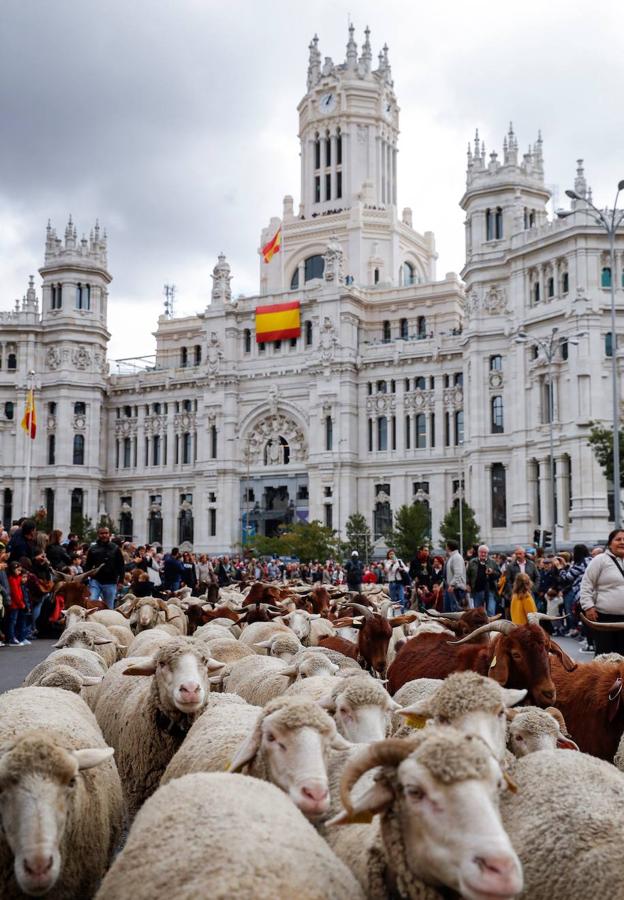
(455, 579)
(519, 565)
(602, 593)
(173, 570)
(481, 573)
(394, 569)
(107, 558)
(355, 571)
(22, 543)
(16, 625)
(522, 602)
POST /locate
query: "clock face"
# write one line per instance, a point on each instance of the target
(327, 102)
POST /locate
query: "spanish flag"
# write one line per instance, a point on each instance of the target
(277, 322)
(269, 250)
(29, 422)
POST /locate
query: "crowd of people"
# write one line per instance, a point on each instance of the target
(511, 585)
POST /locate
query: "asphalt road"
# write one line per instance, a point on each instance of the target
(16, 662)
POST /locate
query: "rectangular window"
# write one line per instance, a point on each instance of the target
(338, 185)
(394, 432)
(328, 186)
(317, 188)
(213, 442)
(328, 152)
(277, 346)
(408, 424)
(127, 453)
(186, 448)
(164, 449)
(329, 433)
(370, 435)
(447, 429)
(135, 445)
(116, 454)
(329, 515)
(421, 431)
(499, 496)
(382, 433)
(177, 449)
(146, 462)
(156, 450)
(317, 154)
(459, 427)
(51, 449)
(212, 522)
(565, 283)
(432, 430)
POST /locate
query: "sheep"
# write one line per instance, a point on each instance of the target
(175, 617)
(124, 638)
(286, 742)
(566, 820)
(531, 729)
(146, 643)
(209, 632)
(61, 807)
(261, 678)
(147, 612)
(282, 646)
(439, 824)
(361, 708)
(146, 719)
(261, 631)
(308, 627)
(73, 615)
(91, 636)
(227, 651)
(283, 856)
(67, 678)
(411, 692)
(609, 658)
(472, 704)
(84, 661)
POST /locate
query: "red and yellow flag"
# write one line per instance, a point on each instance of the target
(269, 250)
(278, 321)
(29, 422)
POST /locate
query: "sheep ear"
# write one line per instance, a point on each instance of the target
(264, 645)
(214, 665)
(247, 750)
(513, 696)
(327, 702)
(100, 640)
(565, 743)
(90, 612)
(289, 671)
(377, 798)
(92, 756)
(338, 742)
(417, 713)
(315, 615)
(143, 666)
(89, 680)
(392, 705)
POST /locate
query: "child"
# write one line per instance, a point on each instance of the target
(522, 601)
(16, 626)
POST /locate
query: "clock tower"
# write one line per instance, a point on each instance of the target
(348, 128)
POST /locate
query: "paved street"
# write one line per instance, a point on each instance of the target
(16, 662)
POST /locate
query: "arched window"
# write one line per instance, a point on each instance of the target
(294, 281)
(499, 496)
(421, 327)
(421, 431)
(83, 296)
(496, 363)
(605, 277)
(419, 383)
(183, 357)
(9, 409)
(382, 433)
(403, 329)
(498, 425)
(459, 427)
(317, 151)
(51, 449)
(314, 267)
(338, 148)
(12, 361)
(247, 340)
(409, 274)
(376, 276)
(385, 332)
(76, 511)
(198, 354)
(79, 445)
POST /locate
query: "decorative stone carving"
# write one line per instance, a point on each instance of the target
(273, 398)
(184, 421)
(328, 341)
(51, 424)
(221, 278)
(265, 446)
(420, 400)
(495, 300)
(125, 427)
(453, 396)
(382, 497)
(214, 354)
(334, 261)
(81, 358)
(496, 380)
(471, 304)
(79, 423)
(53, 358)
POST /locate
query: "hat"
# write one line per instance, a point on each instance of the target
(354, 553)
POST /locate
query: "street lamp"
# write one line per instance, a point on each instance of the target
(548, 346)
(610, 222)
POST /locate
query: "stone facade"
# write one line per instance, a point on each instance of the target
(399, 385)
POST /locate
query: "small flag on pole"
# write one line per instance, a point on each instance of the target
(29, 422)
(269, 250)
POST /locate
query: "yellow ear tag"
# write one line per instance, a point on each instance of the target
(493, 663)
(362, 818)
(415, 721)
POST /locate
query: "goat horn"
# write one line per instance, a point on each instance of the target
(534, 618)
(382, 753)
(602, 626)
(364, 610)
(438, 615)
(62, 576)
(504, 626)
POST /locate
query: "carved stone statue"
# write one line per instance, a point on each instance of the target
(327, 340)
(214, 353)
(334, 261)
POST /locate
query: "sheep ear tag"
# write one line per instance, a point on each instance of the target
(415, 721)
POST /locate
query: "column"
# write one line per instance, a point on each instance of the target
(334, 157)
(544, 493)
(394, 176)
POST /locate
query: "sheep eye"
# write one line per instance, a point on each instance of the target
(519, 737)
(501, 713)
(303, 675)
(414, 792)
(270, 738)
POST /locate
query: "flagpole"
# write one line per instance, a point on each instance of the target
(29, 442)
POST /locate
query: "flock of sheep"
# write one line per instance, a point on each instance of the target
(247, 760)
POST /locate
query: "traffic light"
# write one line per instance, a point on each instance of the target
(537, 537)
(547, 540)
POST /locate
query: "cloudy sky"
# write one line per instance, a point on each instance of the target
(174, 122)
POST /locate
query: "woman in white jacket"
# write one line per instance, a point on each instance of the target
(393, 570)
(602, 594)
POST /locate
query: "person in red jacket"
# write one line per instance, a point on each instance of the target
(16, 626)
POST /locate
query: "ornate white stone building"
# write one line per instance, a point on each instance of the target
(399, 385)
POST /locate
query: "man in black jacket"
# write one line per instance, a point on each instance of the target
(355, 570)
(22, 543)
(108, 559)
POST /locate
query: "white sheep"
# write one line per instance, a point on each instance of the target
(75, 614)
(237, 837)
(437, 797)
(147, 612)
(280, 645)
(287, 742)
(261, 631)
(308, 627)
(146, 718)
(90, 636)
(146, 643)
(259, 679)
(84, 661)
(210, 631)
(411, 692)
(67, 678)
(531, 729)
(61, 807)
(226, 650)
(361, 708)
(567, 820)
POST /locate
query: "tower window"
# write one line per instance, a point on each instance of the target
(197, 354)
(489, 225)
(317, 153)
(459, 427)
(338, 185)
(127, 453)
(12, 361)
(408, 274)
(498, 223)
(496, 363)
(213, 442)
(183, 357)
(565, 283)
(499, 494)
(314, 267)
(338, 149)
(421, 431)
(80, 408)
(56, 292)
(328, 186)
(308, 334)
(497, 424)
(608, 344)
(156, 450)
(421, 327)
(419, 383)
(382, 387)
(186, 448)
(9, 410)
(329, 433)
(83, 296)
(317, 188)
(536, 292)
(605, 277)
(328, 150)
(247, 339)
(382, 433)
(79, 447)
(550, 287)
(376, 276)
(386, 333)
(403, 330)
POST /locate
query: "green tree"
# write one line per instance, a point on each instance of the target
(601, 441)
(359, 537)
(305, 540)
(449, 529)
(412, 529)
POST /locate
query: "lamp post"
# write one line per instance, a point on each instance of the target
(610, 221)
(548, 346)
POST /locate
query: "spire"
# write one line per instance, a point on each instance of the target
(366, 59)
(70, 235)
(314, 63)
(351, 51)
(30, 300)
(512, 147)
(580, 183)
(476, 143)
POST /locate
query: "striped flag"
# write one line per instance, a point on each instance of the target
(278, 321)
(269, 250)
(29, 422)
